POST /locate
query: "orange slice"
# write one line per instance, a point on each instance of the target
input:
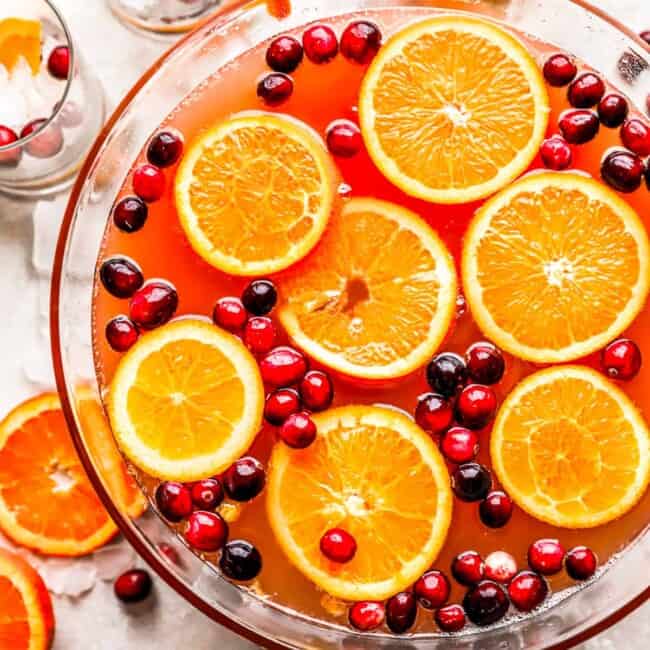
(254, 193)
(555, 267)
(377, 296)
(26, 614)
(186, 401)
(20, 37)
(570, 448)
(373, 472)
(453, 109)
(47, 502)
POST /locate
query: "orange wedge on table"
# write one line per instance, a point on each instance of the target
(20, 37)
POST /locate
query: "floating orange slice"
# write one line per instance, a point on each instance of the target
(254, 193)
(377, 296)
(571, 448)
(453, 109)
(20, 37)
(555, 267)
(377, 475)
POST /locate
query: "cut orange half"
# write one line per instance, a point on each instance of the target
(254, 193)
(186, 401)
(555, 267)
(570, 448)
(20, 37)
(377, 296)
(453, 109)
(373, 472)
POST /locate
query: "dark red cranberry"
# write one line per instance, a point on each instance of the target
(230, 314)
(645, 35)
(612, 110)
(121, 333)
(280, 405)
(468, 568)
(275, 88)
(622, 360)
(344, 138)
(496, 509)
(260, 297)
(586, 91)
(434, 413)
(556, 153)
(130, 214)
(174, 500)
(165, 148)
(285, 54)
(546, 556)
(476, 406)
(259, 334)
(148, 183)
(283, 366)
(581, 563)
(559, 70)
(298, 431)
(338, 545)
(121, 276)
(58, 63)
(635, 135)
(500, 567)
(240, 561)
(367, 616)
(10, 157)
(459, 445)
(361, 41)
(154, 304)
(622, 170)
(207, 494)
(450, 618)
(471, 482)
(47, 143)
(401, 611)
(432, 590)
(527, 590)
(579, 126)
(485, 363)
(320, 44)
(447, 373)
(316, 391)
(134, 586)
(245, 479)
(486, 603)
(206, 531)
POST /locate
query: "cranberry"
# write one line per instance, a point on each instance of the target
(367, 616)
(121, 333)
(586, 91)
(468, 568)
(47, 143)
(338, 545)
(432, 590)
(622, 359)
(285, 54)
(298, 431)
(635, 135)
(121, 276)
(170, 553)
(165, 148)
(259, 335)
(245, 479)
(622, 170)
(148, 183)
(130, 214)
(230, 314)
(434, 413)
(485, 363)
(546, 556)
(486, 603)
(344, 138)
(174, 500)
(283, 366)
(645, 35)
(280, 405)
(527, 590)
(401, 611)
(207, 494)
(581, 563)
(612, 110)
(579, 126)
(320, 44)
(275, 88)
(500, 567)
(459, 445)
(496, 509)
(559, 70)
(476, 406)
(556, 153)
(447, 373)
(260, 297)
(134, 586)
(206, 531)
(471, 482)
(361, 41)
(154, 304)
(240, 561)
(58, 63)
(316, 391)
(450, 618)
(10, 157)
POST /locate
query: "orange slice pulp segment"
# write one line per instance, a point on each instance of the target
(20, 37)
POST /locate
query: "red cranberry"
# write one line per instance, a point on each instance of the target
(275, 88)
(47, 143)
(586, 91)
(622, 359)
(556, 153)
(298, 431)
(459, 445)
(206, 531)
(344, 138)
(174, 500)
(468, 568)
(486, 603)
(622, 170)
(635, 135)
(612, 110)
(316, 391)
(447, 373)
(207, 494)
(434, 413)
(133, 586)
(10, 157)
(527, 590)
(58, 63)
(645, 35)
(471, 482)
(401, 611)
(259, 334)
(130, 214)
(283, 366)
(338, 545)
(121, 333)
(148, 183)
(360, 41)
(500, 567)
(240, 561)
(476, 406)
(496, 509)
(260, 297)
(121, 276)
(450, 618)
(546, 556)
(230, 314)
(245, 479)
(165, 148)
(581, 563)
(485, 363)
(280, 405)
(579, 126)
(154, 304)
(367, 616)
(285, 54)
(432, 590)
(559, 70)
(320, 44)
